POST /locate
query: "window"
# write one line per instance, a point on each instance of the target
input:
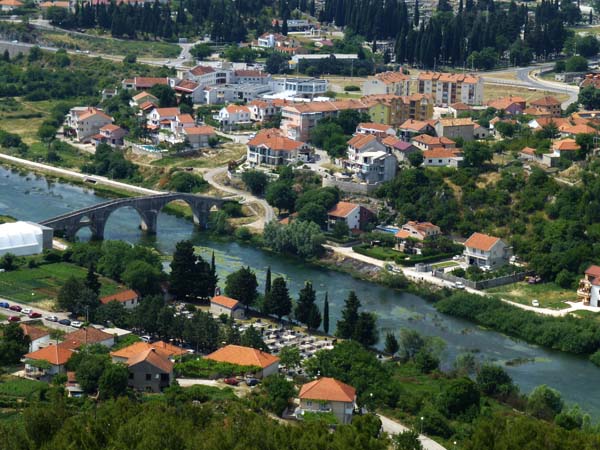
(148, 377)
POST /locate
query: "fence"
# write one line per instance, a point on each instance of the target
(349, 187)
(483, 284)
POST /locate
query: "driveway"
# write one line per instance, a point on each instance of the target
(269, 215)
(391, 427)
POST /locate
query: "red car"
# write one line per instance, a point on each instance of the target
(14, 319)
(16, 308)
(34, 315)
(231, 381)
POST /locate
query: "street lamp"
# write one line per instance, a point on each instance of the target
(422, 419)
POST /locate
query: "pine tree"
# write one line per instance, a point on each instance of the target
(91, 280)
(391, 344)
(305, 307)
(241, 285)
(346, 326)
(284, 28)
(416, 19)
(278, 301)
(326, 314)
(268, 281)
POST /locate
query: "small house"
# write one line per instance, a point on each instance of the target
(150, 371)
(128, 298)
(246, 356)
(355, 216)
(47, 362)
(484, 250)
(38, 338)
(225, 305)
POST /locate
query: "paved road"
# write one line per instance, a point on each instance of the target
(95, 179)
(426, 277)
(43, 312)
(247, 197)
(391, 427)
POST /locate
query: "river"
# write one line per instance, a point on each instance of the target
(28, 196)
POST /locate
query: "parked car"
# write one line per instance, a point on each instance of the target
(76, 324)
(34, 315)
(26, 310)
(459, 285)
(231, 381)
(146, 339)
(65, 322)
(16, 308)
(14, 319)
(535, 303)
(4, 305)
(252, 381)
(52, 319)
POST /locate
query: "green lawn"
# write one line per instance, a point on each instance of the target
(142, 49)
(19, 387)
(383, 253)
(549, 295)
(43, 283)
(445, 264)
(3, 317)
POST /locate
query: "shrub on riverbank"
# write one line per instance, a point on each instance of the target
(569, 334)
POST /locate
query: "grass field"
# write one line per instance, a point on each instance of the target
(444, 264)
(548, 294)
(494, 91)
(217, 157)
(23, 117)
(41, 284)
(109, 46)
(19, 387)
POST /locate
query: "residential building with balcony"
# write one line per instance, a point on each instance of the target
(394, 110)
(484, 250)
(327, 395)
(396, 83)
(449, 88)
(270, 147)
(83, 122)
(369, 160)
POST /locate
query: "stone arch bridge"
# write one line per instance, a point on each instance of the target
(148, 207)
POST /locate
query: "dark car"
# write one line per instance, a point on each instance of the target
(34, 315)
(16, 308)
(252, 381)
(14, 319)
(4, 305)
(64, 322)
(231, 381)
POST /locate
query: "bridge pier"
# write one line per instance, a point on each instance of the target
(97, 227)
(149, 221)
(200, 213)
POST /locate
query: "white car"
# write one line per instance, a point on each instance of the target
(52, 319)
(26, 310)
(535, 303)
(145, 339)
(76, 324)
(459, 285)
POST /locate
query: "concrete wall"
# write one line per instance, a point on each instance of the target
(350, 187)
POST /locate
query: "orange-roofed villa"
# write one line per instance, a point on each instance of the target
(482, 250)
(128, 298)
(246, 356)
(47, 362)
(221, 304)
(327, 395)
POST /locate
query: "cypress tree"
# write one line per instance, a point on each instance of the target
(91, 280)
(307, 311)
(268, 281)
(284, 28)
(346, 326)
(278, 301)
(416, 17)
(326, 315)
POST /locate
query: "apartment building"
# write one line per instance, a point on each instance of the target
(394, 110)
(395, 83)
(449, 88)
(270, 147)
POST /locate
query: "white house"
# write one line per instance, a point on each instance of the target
(199, 136)
(377, 129)
(225, 305)
(271, 148)
(85, 121)
(442, 157)
(38, 338)
(232, 115)
(54, 355)
(261, 110)
(369, 159)
(191, 89)
(484, 250)
(346, 212)
(129, 299)
(418, 230)
(327, 395)
(162, 117)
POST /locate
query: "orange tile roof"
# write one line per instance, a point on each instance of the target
(449, 77)
(462, 122)
(243, 356)
(505, 102)
(434, 140)
(237, 108)
(93, 112)
(528, 151)
(402, 234)
(390, 141)
(481, 241)
(153, 357)
(87, 335)
(558, 121)
(442, 153)
(198, 130)
(392, 77)
(566, 145)
(168, 111)
(537, 111)
(142, 95)
(33, 332)
(328, 389)
(121, 297)
(185, 118)
(148, 82)
(147, 105)
(460, 106)
(164, 348)
(593, 271)
(374, 126)
(187, 85)
(414, 125)
(578, 129)
(202, 70)
(360, 140)
(273, 139)
(545, 101)
(342, 209)
(227, 302)
(15, 3)
(58, 4)
(110, 127)
(54, 354)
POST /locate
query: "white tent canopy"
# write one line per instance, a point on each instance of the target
(21, 238)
